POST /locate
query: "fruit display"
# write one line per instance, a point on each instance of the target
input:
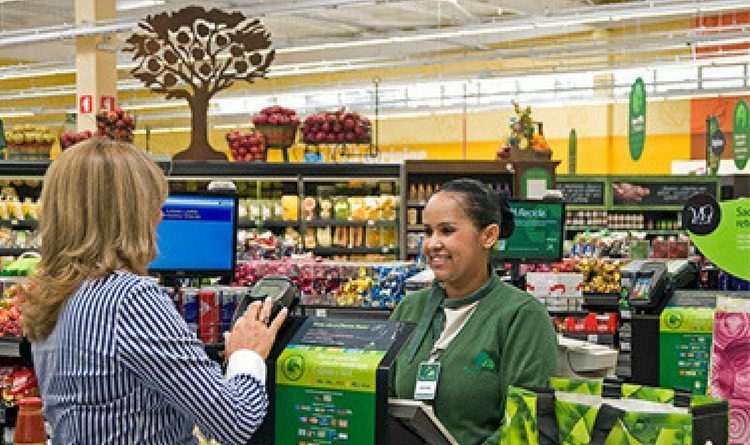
(600, 276)
(276, 115)
(70, 138)
(247, 146)
(339, 127)
(10, 314)
(116, 124)
(524, 135)
(278, 125)
(29, 142)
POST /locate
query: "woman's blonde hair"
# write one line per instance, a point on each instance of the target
(99, 207)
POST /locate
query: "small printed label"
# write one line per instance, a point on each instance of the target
(427, 379)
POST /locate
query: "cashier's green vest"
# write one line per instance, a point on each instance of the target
(508, 340)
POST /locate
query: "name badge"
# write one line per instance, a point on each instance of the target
(427, 379)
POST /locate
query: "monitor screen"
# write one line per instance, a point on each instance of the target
(197, 234)
(538, 235)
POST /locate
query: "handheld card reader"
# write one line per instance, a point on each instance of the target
(282, 290)
(647, 284)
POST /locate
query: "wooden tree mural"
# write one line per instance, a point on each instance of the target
(193, 54)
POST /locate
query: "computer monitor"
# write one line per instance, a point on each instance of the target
(197, 235)
(538, 235)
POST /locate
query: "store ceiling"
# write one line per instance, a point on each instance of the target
(441, 38)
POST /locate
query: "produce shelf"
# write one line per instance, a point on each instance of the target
(15, 251)
(353, 250)
(251, 224)
(342, 223)
(11, 346)
(19, 224)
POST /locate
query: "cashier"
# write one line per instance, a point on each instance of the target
(475, 335)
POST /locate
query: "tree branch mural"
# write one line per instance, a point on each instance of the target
(193, 54)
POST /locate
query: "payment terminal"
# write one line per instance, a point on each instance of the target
(646, 284)
(282, 290)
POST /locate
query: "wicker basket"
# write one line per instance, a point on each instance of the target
(28, 152)
(278, 136)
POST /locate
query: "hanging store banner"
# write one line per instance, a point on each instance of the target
(721, 231)
(741, 134)
(637, 121)
(712, 144)
(572, 151)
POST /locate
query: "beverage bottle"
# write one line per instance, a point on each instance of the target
(30, 423)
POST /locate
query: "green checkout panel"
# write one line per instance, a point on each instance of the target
(328, 385)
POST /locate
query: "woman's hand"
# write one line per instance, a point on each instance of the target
(255, 330)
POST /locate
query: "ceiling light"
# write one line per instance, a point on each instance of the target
(127, 5)
(16, 114)
(149, 106)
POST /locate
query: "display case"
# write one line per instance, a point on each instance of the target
(650, 204)
(419, 179)
(273, 197)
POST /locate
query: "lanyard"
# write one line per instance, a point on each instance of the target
(434, 311)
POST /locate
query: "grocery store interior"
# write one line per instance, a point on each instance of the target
(618, 128)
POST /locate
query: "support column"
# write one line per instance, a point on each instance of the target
(96, 69)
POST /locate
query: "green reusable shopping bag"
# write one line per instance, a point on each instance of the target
(596, 412)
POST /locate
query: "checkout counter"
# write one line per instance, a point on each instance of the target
(328, 381)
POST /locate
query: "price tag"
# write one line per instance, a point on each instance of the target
(321, 312)
(385, 249)
(625, 346)
(626, 314)
(592, 338)
(370, 222)
(13, 222)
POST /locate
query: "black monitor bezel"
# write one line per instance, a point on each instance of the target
(200, 273)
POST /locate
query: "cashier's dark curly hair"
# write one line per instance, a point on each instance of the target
(483, 205)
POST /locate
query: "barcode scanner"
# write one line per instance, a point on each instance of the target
(282, 291)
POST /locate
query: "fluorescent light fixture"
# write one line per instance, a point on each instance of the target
(16, 114)
(165, 130)
(127, 5)
(231, 126)
(149, 106)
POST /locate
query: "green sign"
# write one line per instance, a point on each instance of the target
(741, 134)
(538, 233)
(572, 151)
(327, 394)
(712, 138)
(728, 244)
(685, 348)
(637, 119)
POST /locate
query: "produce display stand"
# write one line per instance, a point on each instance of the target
(344, 152)
(279, 137)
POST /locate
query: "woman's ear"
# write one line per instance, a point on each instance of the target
(489, 235)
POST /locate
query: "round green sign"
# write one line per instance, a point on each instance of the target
(637, 120)
(741, 134)
(293, 367)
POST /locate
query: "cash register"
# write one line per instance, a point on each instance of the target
(327, 380)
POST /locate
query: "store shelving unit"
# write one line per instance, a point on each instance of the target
(497, 173)
(661, 205)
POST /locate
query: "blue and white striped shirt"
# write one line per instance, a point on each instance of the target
(122, 367)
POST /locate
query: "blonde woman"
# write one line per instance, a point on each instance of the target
(116, 363)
